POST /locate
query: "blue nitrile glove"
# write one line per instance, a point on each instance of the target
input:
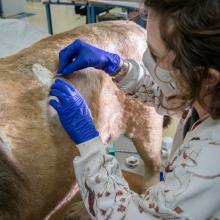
(80, 55)
(73, 112)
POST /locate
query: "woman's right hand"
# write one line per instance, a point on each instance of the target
(80, 55)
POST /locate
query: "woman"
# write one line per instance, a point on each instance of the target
(181, 73)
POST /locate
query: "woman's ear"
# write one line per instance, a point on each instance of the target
(214, 78)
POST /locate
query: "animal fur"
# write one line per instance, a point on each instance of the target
(36, 154)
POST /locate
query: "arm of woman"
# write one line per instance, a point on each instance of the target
(185, 193)
(135, 80)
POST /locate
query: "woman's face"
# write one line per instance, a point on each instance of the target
(162, 56)
(165, 57)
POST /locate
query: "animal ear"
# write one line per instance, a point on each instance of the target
(43, 75)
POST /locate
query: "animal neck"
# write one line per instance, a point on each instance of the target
(136, 121)
(144, 128)
(110, 121)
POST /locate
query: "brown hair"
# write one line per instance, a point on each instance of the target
(195, 40)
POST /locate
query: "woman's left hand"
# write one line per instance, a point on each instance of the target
(73, 112)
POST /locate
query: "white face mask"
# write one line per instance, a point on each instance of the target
(161, 77)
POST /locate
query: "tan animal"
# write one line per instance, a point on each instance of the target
(35, 153)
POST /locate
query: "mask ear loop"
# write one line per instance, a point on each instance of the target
(155, 72)
(170, 81)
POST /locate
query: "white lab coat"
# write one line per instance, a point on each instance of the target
(191, 189)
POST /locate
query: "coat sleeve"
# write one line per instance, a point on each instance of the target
(138, 84)
(186, 193)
